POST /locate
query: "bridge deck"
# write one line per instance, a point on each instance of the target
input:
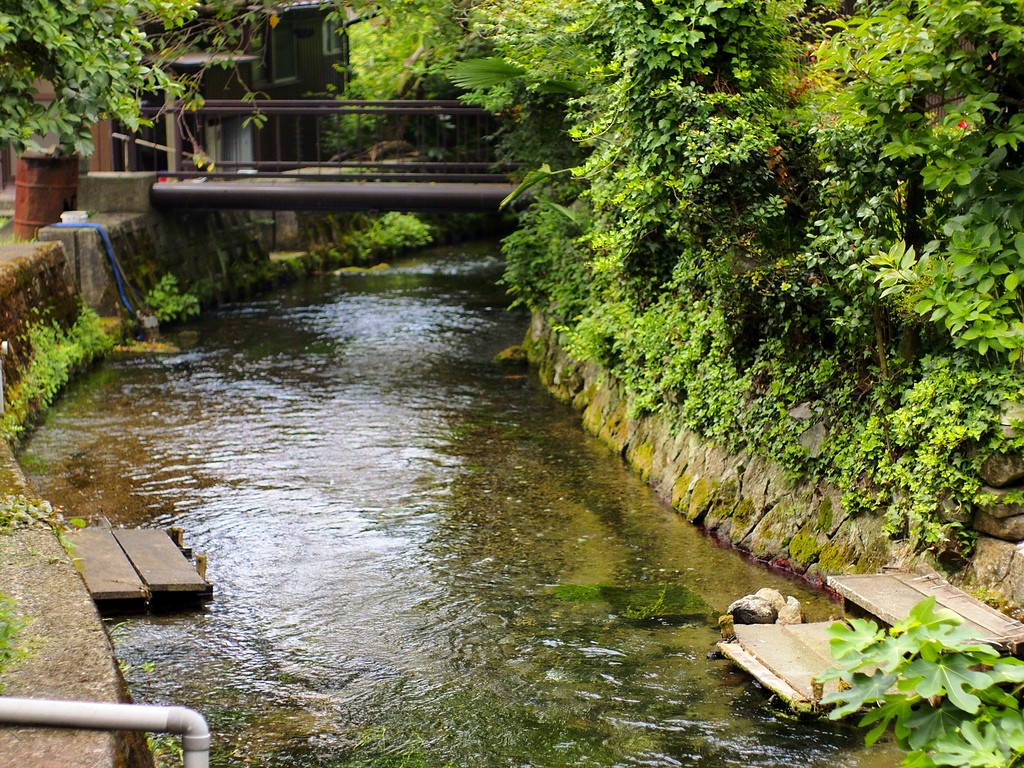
(297, 195)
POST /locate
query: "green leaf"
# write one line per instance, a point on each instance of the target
(849, 640)
(483, 73)
(532, 178)
(866, 689)
(927, 724)
(950, 675)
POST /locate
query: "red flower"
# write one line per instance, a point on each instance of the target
(962, 125)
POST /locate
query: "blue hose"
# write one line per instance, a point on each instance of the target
(110, 255)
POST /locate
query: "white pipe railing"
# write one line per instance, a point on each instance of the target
(87, 715)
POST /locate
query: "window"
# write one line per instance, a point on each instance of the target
(334, 34)
(280, 55)
(282, 52)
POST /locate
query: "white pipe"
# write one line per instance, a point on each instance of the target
(86, 715)
(4, 347)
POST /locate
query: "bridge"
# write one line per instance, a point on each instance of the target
(320, 155)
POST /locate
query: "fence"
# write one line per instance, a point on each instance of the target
(319, 138)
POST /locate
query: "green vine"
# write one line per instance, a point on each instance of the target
(775, 227)
(55, 354)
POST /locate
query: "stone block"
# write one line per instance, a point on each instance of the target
(1000, 471)
(1002, 508)
(89, 266)
(1006, 528)
(999, 565)
(111, 192)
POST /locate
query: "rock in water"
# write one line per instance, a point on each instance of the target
(753, 609)
(792, 612)
(773, 596)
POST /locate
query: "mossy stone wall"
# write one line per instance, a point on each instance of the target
(742, 499)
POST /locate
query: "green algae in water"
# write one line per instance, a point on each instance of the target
(641, 602)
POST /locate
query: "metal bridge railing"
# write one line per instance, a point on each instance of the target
(316, 139)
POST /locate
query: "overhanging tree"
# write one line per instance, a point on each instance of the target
(96, 56)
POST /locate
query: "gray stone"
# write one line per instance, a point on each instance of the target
(751, 609)
(1005, 528)
(954, 512)
(991, 561)
(791, 613)
(773, 596)
(1002, 508)
(1000, 471)
(770, 535)
(999, 566)
(814, 438)
(803, 412)
(1009, 414)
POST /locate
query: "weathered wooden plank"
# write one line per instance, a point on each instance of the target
(159, 562)
(107, 573)
(890, 596)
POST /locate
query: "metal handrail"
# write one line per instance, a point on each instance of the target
(319, 106)
(280, 135)
(96, 716)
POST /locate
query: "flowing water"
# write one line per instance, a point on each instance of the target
(420, 559)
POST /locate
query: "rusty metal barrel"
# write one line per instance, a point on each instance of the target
(44, 187)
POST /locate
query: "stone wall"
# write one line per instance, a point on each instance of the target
(998, 563)
(34, 286)
(744, 500)
(226, 251)
(66, 651)
(750, 503)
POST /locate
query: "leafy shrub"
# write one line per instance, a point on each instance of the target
(948, 698)
(392, 233)
(761, 208)
(55, 354)
(169, 304)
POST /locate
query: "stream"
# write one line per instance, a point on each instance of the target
(419, 557)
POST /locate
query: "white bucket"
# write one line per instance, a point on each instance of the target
(74, 217)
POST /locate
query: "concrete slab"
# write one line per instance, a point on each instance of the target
(67, 655)
(784, 658)
(890, 596)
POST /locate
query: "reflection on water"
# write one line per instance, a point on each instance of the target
(419, 558)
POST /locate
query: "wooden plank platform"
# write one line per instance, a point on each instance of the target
(890, 596)
(107, 573)
(128, 569)
(784, 658)
(159, 562)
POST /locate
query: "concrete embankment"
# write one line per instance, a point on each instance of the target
(63, 648)
(64, 651)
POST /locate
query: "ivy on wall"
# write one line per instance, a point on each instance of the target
(754, 210)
